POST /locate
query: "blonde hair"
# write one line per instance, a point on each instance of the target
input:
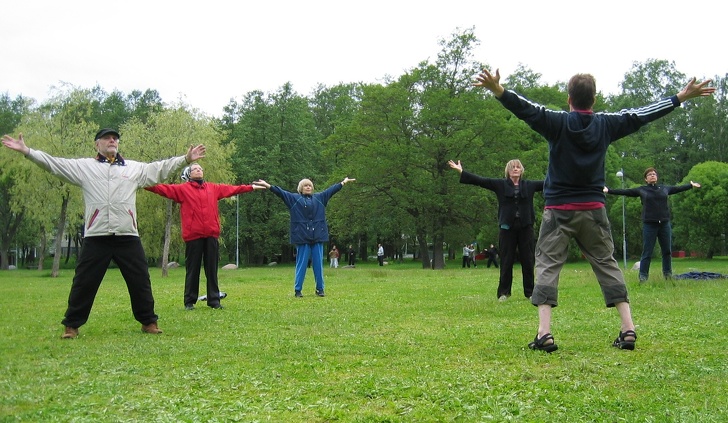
(302, 183)
(511, 164)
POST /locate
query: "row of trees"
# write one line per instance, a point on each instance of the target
(395, 138)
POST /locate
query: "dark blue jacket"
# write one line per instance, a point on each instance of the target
(578, 143)
(308, 214)
(654, 199)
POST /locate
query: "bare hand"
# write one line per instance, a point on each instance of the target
(195, 153)
(260, 184)
(347, 179)
(490, 82)
(457, 166)
(17, 145)
(694, 89)
(605, 189)
(695, 184)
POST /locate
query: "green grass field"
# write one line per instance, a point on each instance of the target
(387, 344)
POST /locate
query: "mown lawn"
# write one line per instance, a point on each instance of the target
(387, 344)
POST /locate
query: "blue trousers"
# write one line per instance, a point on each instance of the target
(315, 252)
(662, 232)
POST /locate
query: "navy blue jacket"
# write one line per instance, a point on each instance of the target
(654, 199)
(308, 214)
(578, 143)
(508, 202)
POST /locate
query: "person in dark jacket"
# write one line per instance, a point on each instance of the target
(200, 228)
(492, 254)
(309, 229)
(515, 219)
(352, 255)
(655, 219)
(573, 190)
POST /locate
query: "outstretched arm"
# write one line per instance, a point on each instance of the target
(694, 89)
(490, 82)
(17, 145)
(457, 166)
(347, 179)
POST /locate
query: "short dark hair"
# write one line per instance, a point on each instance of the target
(582, 90)
(648, 170)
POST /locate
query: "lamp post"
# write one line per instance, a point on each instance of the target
(620, 174)
(237, 230)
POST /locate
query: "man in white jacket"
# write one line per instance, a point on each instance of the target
(109, 184)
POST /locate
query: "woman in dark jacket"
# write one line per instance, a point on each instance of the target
(655, 219)
(309, 229)
(515, 219)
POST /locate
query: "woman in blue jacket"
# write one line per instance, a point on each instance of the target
(309, 229)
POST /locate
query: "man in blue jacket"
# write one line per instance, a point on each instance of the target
(309, 229)
(573, 190)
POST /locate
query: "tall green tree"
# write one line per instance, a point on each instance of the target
(12, 211)
(60, 127)
(700, 215)
(399, 143)
(275, 139)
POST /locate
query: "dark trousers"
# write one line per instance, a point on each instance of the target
(492, 260)
(197, 252)
(352, 259)
(662, 232)
(96, 255)
(519, 239)
(466, 261)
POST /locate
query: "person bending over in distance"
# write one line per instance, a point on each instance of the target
(109, 183)
(515, 220)
(655, 219)
(309, 229)
(200, 219)
(573, 190)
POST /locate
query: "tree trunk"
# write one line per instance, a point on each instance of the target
(43, 247)
(68, 249)
(167, 239)
(59, 237)
(5, 240)
(424, 252)
(438, 258)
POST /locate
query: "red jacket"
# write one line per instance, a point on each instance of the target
(198, 205)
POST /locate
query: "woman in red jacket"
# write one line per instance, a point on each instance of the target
(200, 228)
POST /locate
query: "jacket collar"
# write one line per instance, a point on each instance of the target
(119, 161)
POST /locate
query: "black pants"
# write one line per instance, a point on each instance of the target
(517, 238)
(197, 252)
(493, 261)
(96, 255)
(352, 259)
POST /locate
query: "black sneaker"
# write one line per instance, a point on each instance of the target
(217, 307)
(320, 292)
(189, 307)
(298, 294)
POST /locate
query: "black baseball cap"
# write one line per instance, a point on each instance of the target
(106, 131)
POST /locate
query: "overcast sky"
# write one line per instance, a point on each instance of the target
(206, 53)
